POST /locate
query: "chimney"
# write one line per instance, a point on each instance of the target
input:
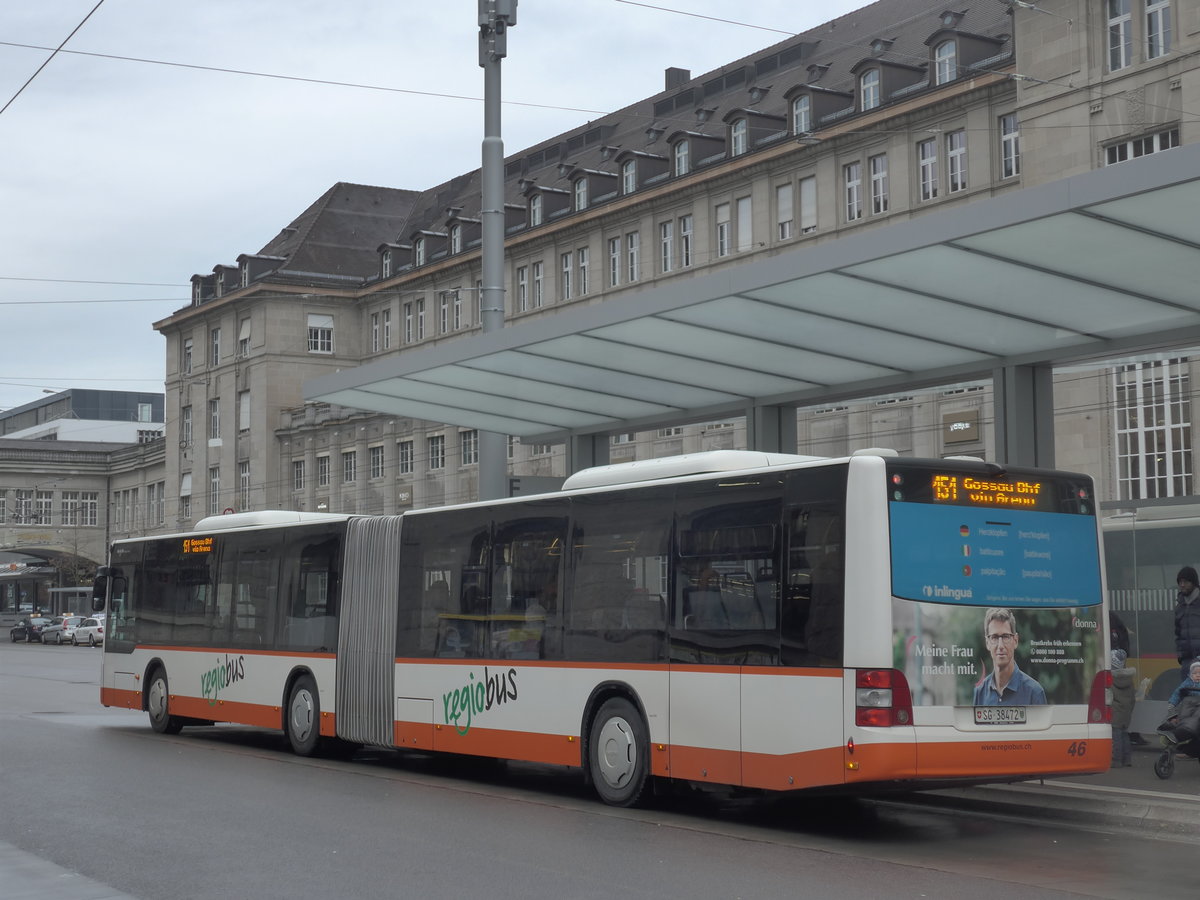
(677, 78)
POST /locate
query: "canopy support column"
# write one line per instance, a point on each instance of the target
(1024, 407)
(585, 451)
(771, 429)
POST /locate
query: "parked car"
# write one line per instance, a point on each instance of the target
(90, 632)
(29, 629)
(61, 629)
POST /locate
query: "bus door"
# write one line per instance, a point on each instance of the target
(366, 646)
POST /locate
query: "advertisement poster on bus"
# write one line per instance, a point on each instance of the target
(953, 655)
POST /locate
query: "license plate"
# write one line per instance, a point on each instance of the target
(999, 715)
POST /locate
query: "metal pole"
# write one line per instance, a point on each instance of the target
(495, 18)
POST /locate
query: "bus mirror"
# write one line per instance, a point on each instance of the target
(99, 593)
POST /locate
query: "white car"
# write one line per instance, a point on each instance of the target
(90, 632)
(61, 630)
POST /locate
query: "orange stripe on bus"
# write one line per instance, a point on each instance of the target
(553, 749)
(967, 759)
(121, 699)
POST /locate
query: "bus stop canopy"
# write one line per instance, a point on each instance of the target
(1096, 265)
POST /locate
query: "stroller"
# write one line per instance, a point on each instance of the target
(1177, 741)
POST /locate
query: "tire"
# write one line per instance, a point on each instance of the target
(12, 636)
(74, 643)
(58, 639)
(618, 753)
(91, 640)
(302, 717)
(1164, 766)
(158, 701)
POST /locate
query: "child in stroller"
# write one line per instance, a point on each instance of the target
(1180, 731)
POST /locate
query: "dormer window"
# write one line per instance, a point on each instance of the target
(868, 87)
(386, 264)
(535, 210)
(244, 274)
(419, 252)
(683, 157)
(581, 194)
(739, 137)
(628, 176)
(456, 239)
(945, 62)
(802, 114)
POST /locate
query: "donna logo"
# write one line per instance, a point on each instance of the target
(221, 676)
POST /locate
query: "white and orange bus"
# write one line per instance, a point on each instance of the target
(738, 618)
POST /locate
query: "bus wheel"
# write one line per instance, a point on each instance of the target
(303, 723)
(158, 705)
(618, 753)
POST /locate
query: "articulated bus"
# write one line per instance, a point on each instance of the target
(758, 621)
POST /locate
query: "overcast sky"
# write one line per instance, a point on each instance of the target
(121, 177)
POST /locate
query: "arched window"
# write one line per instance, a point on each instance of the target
(628, 176)
(945, 62)
(581, 194)
(802, 114)
(868, 86)
(683, 158)
(739, 134)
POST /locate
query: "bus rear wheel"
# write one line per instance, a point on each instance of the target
(158, 705)
(303, 721)
(618, 753)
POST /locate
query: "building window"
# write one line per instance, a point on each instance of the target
(723, 225)
(1010, 146)
(185, 357)
(387, 328)
(243, 349)
(739, 137)
(376, 459)
(419, 252)
(868, 86)
(581, 258)
(421, 319)
(297, 475)
(456, 239)
(244, 485)
(581, 194)
(468, 442)
(535, 210)
(685, 241)
(522, 288)
(879, 183)
(89, 502)
(628, 176)
(683, 158)
(633, 255)
(538, 295)
(666, 246)
(745, 225)
(1154, 429)
(1158, 28)
(436, 447)
(349, 466)
(214, 490)
(614, 261)
(808, 204)
(945, 62)
(443, 312)
(802, 114)
(44, 507)
(185, 426)
(852, 179)
(784, 216)
(214, 418)
(567, 261)
(1143, 146)
(404, 457)
(1120, 35)
(320, 333)
(456, 309)
(214, 347)
(375, 335)
(243, 399)
(928, 168)
(322, 471)
(386, 266)
(408, 323)
(956, 161)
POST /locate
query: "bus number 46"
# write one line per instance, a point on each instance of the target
(1077, 748)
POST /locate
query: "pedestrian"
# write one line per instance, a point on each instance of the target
(1118, 633)
(1122, 710)
(1187, 619)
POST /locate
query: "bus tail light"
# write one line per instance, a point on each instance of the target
(882, 698)
(1100, 700)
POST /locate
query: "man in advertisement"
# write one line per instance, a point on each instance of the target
(1006, 685)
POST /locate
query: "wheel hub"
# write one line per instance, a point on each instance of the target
(617, 756)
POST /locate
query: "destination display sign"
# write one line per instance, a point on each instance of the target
(198, 545)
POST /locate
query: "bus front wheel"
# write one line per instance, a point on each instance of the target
(618, 753)
(303, 722)
(158, 705)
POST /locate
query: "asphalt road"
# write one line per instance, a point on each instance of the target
(95, 806)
